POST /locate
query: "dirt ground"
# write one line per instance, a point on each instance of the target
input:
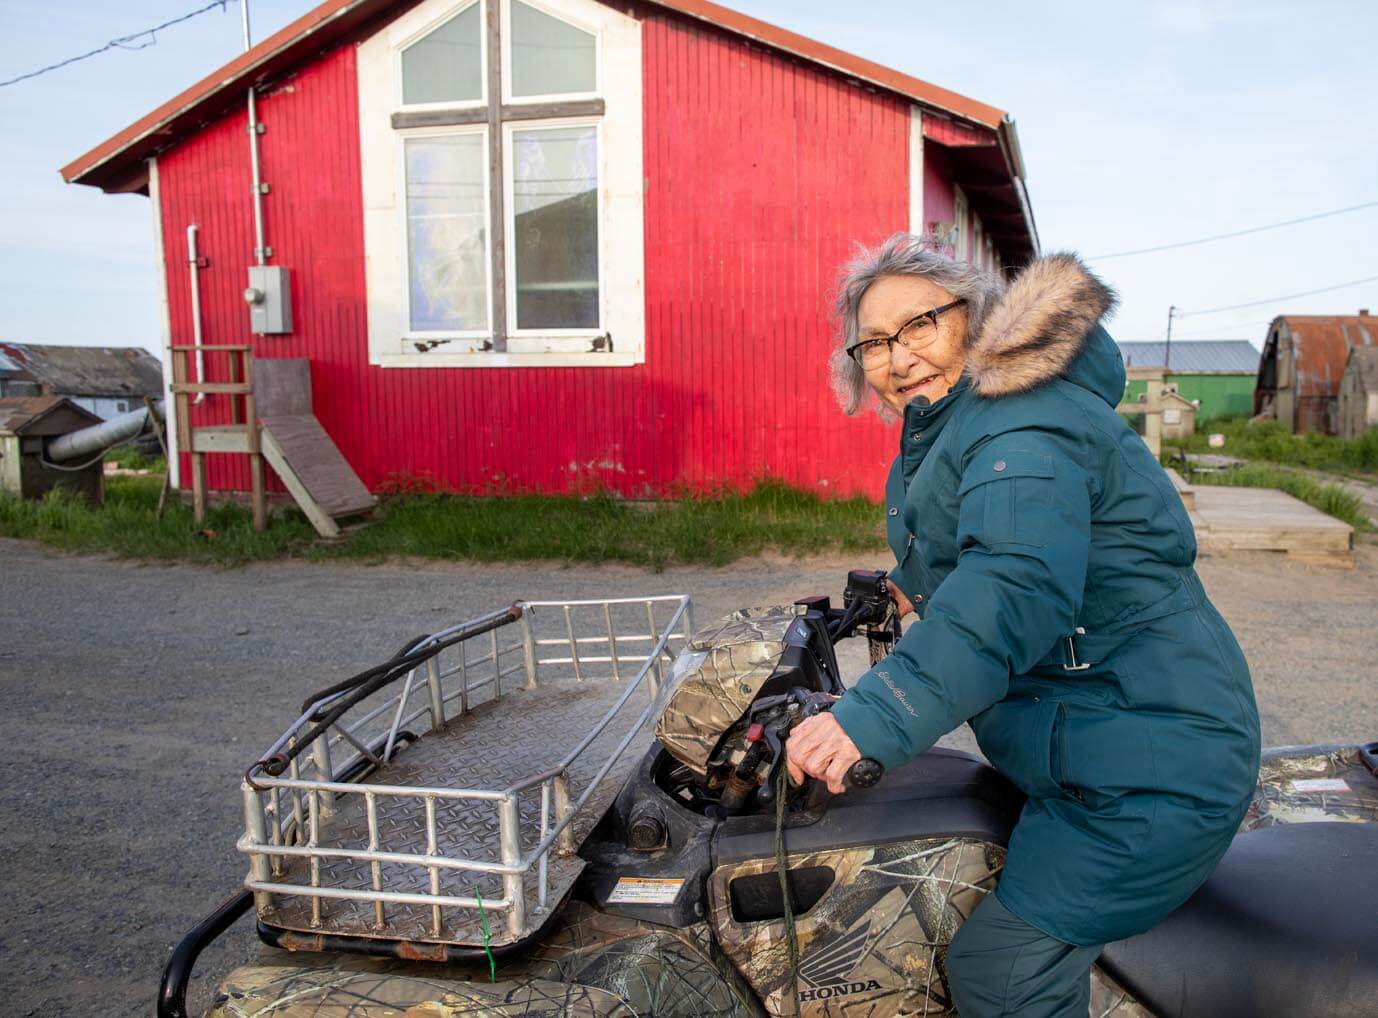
(134, 696)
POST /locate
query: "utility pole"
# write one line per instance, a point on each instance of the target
(1167, 351)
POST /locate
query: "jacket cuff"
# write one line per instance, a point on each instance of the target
(873, 734)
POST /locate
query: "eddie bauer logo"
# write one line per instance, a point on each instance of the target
(826, 970)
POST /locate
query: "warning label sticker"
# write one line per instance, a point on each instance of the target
(1320, 785)
(645, 891)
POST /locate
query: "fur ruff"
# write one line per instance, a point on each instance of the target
(1039, 327)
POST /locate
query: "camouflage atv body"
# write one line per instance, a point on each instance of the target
(880, 881)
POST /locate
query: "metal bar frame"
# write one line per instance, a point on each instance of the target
(271, 837)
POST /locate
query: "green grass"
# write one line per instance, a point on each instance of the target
(128, 457)
(712, 530)
(1328, 498)
(1271, 442)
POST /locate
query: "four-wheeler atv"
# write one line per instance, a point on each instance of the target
(478, 826)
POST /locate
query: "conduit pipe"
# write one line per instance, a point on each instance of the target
(194, 263)
(99, 437)
(261, 250)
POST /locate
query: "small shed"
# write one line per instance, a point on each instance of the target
(26, 425)
(1179, 414)
(1359, 392)
(1303, 359)
(106, 380)
(1218, 374)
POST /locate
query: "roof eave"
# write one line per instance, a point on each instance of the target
(106, 165)
(847, 64)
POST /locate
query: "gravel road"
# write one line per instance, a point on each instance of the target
(138, 694)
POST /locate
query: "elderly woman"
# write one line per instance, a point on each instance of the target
(1049, 560)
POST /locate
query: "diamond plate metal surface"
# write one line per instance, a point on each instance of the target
(493, 746)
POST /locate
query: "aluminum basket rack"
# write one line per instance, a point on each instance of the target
(465, 835)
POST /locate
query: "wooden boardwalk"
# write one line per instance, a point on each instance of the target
(1264, 519)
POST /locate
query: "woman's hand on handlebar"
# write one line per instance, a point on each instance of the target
(905, 606)
(819, 748)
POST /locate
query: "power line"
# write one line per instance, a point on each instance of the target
(1236, 233)
(1274, 300)
(123, 42)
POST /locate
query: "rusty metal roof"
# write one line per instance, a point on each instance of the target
(1322, 344)
(118, 163)
(18, 412)
(87, 370)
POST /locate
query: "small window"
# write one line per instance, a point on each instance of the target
(446, 66)
(447, 245)
(550, 56)
(555, 227)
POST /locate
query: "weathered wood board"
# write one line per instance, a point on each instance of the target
(1185, 490)
(1263, 519)
(314, 470)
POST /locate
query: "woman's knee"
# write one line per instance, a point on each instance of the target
(998, 965)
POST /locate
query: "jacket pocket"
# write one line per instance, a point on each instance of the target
(1007, 496)
(1021, 740)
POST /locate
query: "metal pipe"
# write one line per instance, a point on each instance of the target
(255, 829)
(194, 266)
(88, 441)
(261, 250)
(510, 847)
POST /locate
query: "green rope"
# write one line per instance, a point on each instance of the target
(791, 988)
(483, 921)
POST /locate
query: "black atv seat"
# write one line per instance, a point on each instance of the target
(1287, 925)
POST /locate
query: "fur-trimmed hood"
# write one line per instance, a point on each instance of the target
(1044, 322)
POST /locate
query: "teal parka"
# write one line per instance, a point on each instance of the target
(1050, 561)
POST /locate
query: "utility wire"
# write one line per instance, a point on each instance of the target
(1274, 300)
(123, 42)
(1236, 233)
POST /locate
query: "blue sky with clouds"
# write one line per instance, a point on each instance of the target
(1142, 124)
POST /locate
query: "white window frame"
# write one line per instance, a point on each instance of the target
(420, 33)
(569, 19)
(509, 209)
(422, 336)
(961, 213)
(916, 217)
(621, 195)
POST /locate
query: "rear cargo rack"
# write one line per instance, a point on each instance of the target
(466, 834)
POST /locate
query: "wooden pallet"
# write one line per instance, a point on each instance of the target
(1263, 519)
(1184, 490)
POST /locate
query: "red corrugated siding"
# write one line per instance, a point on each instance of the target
(762, 172)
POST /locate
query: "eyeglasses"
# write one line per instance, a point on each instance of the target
(915, 334)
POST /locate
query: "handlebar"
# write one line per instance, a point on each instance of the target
(865, 773)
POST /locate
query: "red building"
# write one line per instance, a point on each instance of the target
(556, 244)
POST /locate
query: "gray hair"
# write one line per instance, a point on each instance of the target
(902, 255)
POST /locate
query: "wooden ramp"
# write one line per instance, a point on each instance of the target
(295, 445)
(323, 483)
(1264, 519)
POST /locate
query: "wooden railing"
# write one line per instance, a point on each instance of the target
(240, 390)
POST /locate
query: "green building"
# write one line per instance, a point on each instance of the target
(1217, 373)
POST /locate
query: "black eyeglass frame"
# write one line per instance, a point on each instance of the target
(931, 314)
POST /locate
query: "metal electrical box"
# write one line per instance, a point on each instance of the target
(269, 296)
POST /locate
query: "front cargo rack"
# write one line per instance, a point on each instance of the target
(361, 834)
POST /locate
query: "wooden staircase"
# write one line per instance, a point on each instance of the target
(272, 419)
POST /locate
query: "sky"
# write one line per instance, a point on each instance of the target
(1142, 124)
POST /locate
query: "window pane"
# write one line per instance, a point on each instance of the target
(445, 66)
(555, 236)
(549, 57)
(447, 257)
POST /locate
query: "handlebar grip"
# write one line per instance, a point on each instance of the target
(865, 773)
